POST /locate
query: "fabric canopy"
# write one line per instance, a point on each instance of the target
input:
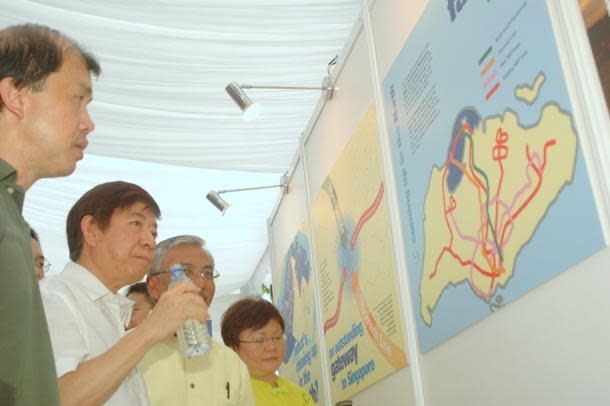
(164, 121)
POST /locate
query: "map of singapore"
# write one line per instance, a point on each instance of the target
(485, 203)
(492, 174)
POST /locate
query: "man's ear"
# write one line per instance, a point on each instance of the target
(90, 230)
(152, 286)
(12, 97)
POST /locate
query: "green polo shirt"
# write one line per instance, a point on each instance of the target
(27, 370)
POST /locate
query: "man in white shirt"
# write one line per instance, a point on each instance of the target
(218, 377)
(111, 235)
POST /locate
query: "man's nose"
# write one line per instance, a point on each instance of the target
(149, 239)
(87, 125)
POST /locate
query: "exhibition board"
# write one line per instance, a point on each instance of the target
(496, 195)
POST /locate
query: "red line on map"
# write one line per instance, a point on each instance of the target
(496, 216)
(364, 217)
(492, 91)
(501, 139)
(462, 262)
(368, 213)
(539, 173)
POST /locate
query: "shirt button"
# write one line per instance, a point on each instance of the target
(10, 190)
(192, 386)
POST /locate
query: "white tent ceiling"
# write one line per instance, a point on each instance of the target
(164, 121)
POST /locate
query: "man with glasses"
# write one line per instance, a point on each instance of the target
(217, 377)
(41, 265)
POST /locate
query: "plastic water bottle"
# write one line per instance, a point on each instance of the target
(193, 336)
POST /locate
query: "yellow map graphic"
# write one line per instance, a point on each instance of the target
(360, 306)
(510, 176)
(529, 94)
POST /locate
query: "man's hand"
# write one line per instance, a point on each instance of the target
(177, 305)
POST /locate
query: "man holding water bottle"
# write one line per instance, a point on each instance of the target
(216, 377)
(111, 235)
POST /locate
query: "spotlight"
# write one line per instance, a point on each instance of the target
(248, 107)
(251, 110)
(222, 205)
(217, 201)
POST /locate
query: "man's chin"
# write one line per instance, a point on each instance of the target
(60, 171)
(206, 299)
(137, 276)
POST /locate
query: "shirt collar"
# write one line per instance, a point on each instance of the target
(8, 176)
(96, 290)
(280, 388)
(125, 308)
(7, 172)
(91, 286)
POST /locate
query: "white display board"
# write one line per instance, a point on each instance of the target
(548, 344)
(532, 350)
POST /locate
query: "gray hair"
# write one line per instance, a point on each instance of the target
(164, 246)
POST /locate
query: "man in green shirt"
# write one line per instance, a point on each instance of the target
(45, 88)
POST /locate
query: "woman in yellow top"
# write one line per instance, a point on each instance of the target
(254, 329)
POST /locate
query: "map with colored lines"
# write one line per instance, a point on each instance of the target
(361, 315)
(494, 193)
(487, 200)
(295, 299)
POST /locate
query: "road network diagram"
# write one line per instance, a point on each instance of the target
(494, 193)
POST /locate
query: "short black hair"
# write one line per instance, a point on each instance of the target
(140, 287)
(249, 313)
(29, 53)
(34, 234)
(101, 202)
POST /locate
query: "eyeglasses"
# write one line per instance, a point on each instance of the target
(193, 273)
(261, 341)
(42, 264)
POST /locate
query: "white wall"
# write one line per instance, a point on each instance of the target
(329, 131)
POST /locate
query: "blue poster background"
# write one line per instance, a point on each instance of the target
(455, 36)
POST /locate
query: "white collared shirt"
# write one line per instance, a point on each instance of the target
(85, 320)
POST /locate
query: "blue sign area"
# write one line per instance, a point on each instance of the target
(489, 168)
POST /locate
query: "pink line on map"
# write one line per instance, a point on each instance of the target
(490, 78)
(507, 212)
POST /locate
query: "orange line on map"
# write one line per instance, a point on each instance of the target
(390, 351)
(488, 66)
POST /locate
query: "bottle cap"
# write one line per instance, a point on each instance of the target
(177, 270)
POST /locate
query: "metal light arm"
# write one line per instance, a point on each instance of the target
(249, 188)
(246, 86)
(222, 205)
(327, 87)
